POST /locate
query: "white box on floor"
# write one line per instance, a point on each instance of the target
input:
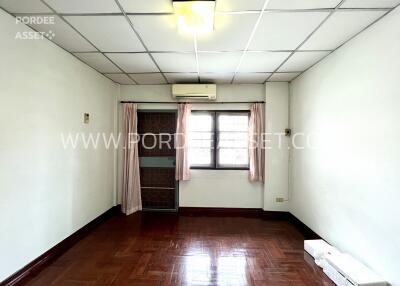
(334, 275)
(318, 247)
(343, 268)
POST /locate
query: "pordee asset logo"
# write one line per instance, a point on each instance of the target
(33, 20)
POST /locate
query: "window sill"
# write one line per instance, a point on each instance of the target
(211, 168)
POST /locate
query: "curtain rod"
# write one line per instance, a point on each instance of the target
(196, 102)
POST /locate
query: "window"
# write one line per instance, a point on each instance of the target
(232, 138)
(227, 130)
(201, 139)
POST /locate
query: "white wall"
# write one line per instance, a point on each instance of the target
(276, 153)
(46, 192)
(348, 189)
(207, 188)
(220, 188)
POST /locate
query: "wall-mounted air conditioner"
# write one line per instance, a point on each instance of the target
(194, 91)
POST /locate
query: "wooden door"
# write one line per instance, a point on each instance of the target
(157, 160)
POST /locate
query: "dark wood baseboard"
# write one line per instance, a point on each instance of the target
(246, 212)
(276, 215)
(39, 263)
(200, 211)
(307, 232)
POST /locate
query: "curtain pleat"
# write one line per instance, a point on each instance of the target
(131, 197)
(182, 172)
(256, 142)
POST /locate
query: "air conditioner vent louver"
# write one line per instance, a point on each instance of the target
(194, 91)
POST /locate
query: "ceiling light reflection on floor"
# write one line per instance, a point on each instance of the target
(198, 269)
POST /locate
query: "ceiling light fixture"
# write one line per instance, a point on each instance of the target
(194, 17)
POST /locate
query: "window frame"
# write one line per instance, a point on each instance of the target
(215, 150)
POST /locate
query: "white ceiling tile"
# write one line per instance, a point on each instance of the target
(64, 35)
(24, 6)
(216, 77)
(302, 4)
(283, 76)
(98, 61)
(218, 62)
(182, 77)
(148, 78)
(285, 30)
(251, 77)
(176, 62)
(231, 32)
(341, 26)
(160, 33)
(120, 78)
(239, 5)
(108, 33)
(84, 6)
(262, 61)
(300, 61)
(147, 6)
(370, 3)
(133, 63)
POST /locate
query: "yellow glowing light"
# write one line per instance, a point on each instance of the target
(194, 17)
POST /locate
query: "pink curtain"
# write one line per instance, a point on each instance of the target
(182, 172)
(256, 143)
(131, 198)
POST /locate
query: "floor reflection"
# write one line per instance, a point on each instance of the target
(202, 268)
(198, 269)
(231, 270)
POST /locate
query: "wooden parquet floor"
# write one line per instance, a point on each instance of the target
(169, 249)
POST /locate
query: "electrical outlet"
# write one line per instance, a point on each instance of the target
(279, 200)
